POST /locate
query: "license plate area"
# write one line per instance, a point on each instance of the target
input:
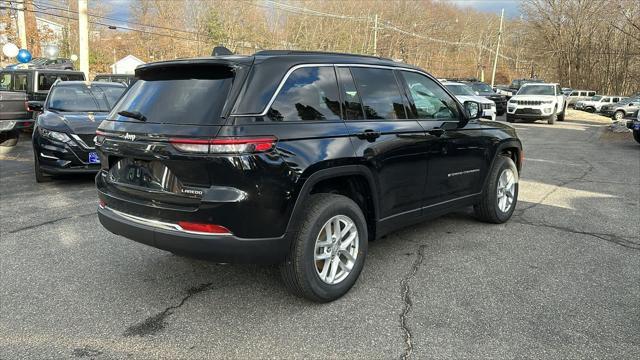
(94, 158)
(148, 176)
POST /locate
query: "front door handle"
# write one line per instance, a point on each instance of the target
(369, 134)
(436, 131)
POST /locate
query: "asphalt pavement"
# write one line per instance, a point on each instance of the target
(561, 279)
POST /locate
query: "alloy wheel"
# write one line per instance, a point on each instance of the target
(336, 249)
(506, 190)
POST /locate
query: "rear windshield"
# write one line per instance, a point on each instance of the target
(180, 95)
(83, 98)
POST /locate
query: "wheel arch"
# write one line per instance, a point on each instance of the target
(346, 180)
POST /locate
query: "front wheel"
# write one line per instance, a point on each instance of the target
(500, 195)
(40, 176)
(561, 116)
(636, 135)
(552, 118)
(328, 251)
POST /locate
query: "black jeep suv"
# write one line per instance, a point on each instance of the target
(295, 158)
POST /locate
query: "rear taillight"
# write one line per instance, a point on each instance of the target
(203, 228)
(224, 145)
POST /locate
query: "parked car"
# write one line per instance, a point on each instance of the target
(537, 102)
(44, 63)
(595, 103)
(464, 93)
(622, 108)
(578, 95)
(485, 90)
(634, 125)
(64, 131)
(515, 85)
(297, 158)
(19, 86)
(127, 79)
(567, 91)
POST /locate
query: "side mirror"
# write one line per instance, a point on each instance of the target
(473, 109)
(35, 105)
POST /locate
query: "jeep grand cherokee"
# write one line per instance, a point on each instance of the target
(295, 158)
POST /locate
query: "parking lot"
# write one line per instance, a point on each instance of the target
(561, 279)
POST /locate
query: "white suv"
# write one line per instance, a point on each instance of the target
(537, 102)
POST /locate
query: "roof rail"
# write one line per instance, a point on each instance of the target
(307, 52)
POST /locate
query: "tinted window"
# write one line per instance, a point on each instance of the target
(536, 90)
(5, 81)
(178, 95)
(310, 93)
(591, 93)
(429, 99)
(380, 93)
(83, 98)
(45, 81)
(352, 105)
(574, 93)
(20, 82)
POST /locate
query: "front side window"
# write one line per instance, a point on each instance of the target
(597, 98)
(575, 93)
(381, 98)
(429, 99)
(310, 93)
(606, 99)
(5, 81)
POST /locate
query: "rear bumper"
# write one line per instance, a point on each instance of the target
(220, 248)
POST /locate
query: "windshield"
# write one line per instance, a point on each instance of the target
(536, 90)
(184, 95)
(84, 98)
(482, 87)
(459, 89)
(596, 98)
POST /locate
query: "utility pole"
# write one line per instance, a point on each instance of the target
(83, 36)
(375, 35)
(495, 61)
(22, 26)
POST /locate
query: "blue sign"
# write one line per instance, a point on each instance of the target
(93, 158)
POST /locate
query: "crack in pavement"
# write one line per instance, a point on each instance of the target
(155, 323)
(50, 222)
(405, 291)
(612, 238)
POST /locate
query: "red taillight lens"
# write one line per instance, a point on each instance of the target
(101, 204)
(204, 228)
(224, 145)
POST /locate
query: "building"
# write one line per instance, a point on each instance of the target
(126, 65)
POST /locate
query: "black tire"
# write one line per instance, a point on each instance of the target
(500, 113)
(510, 119)
(618, 115)
(299, 269)
(590, 109)
(552, 119)
(636, 135)
(487, 208)
(561, 116)
(40, 176)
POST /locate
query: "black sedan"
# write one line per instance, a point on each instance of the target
(64, 132)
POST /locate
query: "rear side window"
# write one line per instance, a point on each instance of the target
(310, 93)
(45, 81)
(380, 93)
(592, 93)
(20, 82)
(179, 95)
(5, 81)
(352, 105)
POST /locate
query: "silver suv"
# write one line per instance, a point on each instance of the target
(621, 109)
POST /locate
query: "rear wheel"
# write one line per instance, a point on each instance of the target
(328, 250)
(499, 197)
(590, 109)
(618, 115)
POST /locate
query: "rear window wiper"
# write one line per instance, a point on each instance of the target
(133, 114)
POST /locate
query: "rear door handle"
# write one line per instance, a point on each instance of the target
(436, 131)
(369, 134)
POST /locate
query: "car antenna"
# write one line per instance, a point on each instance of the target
(221, 50)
